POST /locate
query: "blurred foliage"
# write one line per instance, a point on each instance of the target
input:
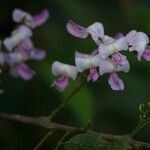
(94, 141)
(113, 112)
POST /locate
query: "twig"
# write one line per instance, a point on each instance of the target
(61, 140)
(45, 123)
(63, 104)
(60, 107)
(43, 140)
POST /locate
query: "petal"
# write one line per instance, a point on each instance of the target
(85, 61)
(93, 75)
(107, 50)
(18, 15)
(106, 66)
(108, 40)
(119, 59)
(76, 30)
(16, 57)
(25, 46)
(9, 43)
(18, 36)
(38, 54)
(146, 54)
(96, 31)
(59, 68)
(119, 35)
(61, 83)
(130, 36)
(124, 68)
(95, 52)
(40, 18)
(24, 71)
(137, 41)
(115, 82)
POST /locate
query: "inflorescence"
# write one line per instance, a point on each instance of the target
(107, 58)
(19, 48)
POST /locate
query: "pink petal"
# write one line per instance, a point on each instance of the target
(146, 54)
(93, 75)
(76, 30)
(115, 82)
(24, 71)
(40, 18)
(38, 54)
(119, 59)
(25, 47)
(61, 83)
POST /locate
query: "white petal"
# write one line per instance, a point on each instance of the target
(59, 68)
(96, 30)
(106, 66)
(84, 61)
(118, 45)
(19, 15)
(18, 36)
(130, 36)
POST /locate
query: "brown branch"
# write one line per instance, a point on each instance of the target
(45, 123)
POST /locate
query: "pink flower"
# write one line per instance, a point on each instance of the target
(106, 50)
(116, 64)
(18, 35)
(96, 31)
(23, 71)
(21, 16)
(66, 71)
(138, 42)
(85, 61)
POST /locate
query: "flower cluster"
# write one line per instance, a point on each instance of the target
(19, 48)
(106, 59)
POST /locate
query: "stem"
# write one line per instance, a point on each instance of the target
(139, 127)
(61, 140)
(38, 122)
(43, 140)
(63, 104)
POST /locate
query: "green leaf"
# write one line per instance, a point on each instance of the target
(94, 141)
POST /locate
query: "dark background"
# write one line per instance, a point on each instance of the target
(112, 112)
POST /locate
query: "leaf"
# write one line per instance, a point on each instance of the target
(94, 141)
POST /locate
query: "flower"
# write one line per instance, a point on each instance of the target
(27, 48)
(21, 16)
(66, 71)
(25, 51)
(22, 70)
(117, 63)
(17, 37)
(96, 31)
(106, 50)
(85, 61)
(138, 42)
